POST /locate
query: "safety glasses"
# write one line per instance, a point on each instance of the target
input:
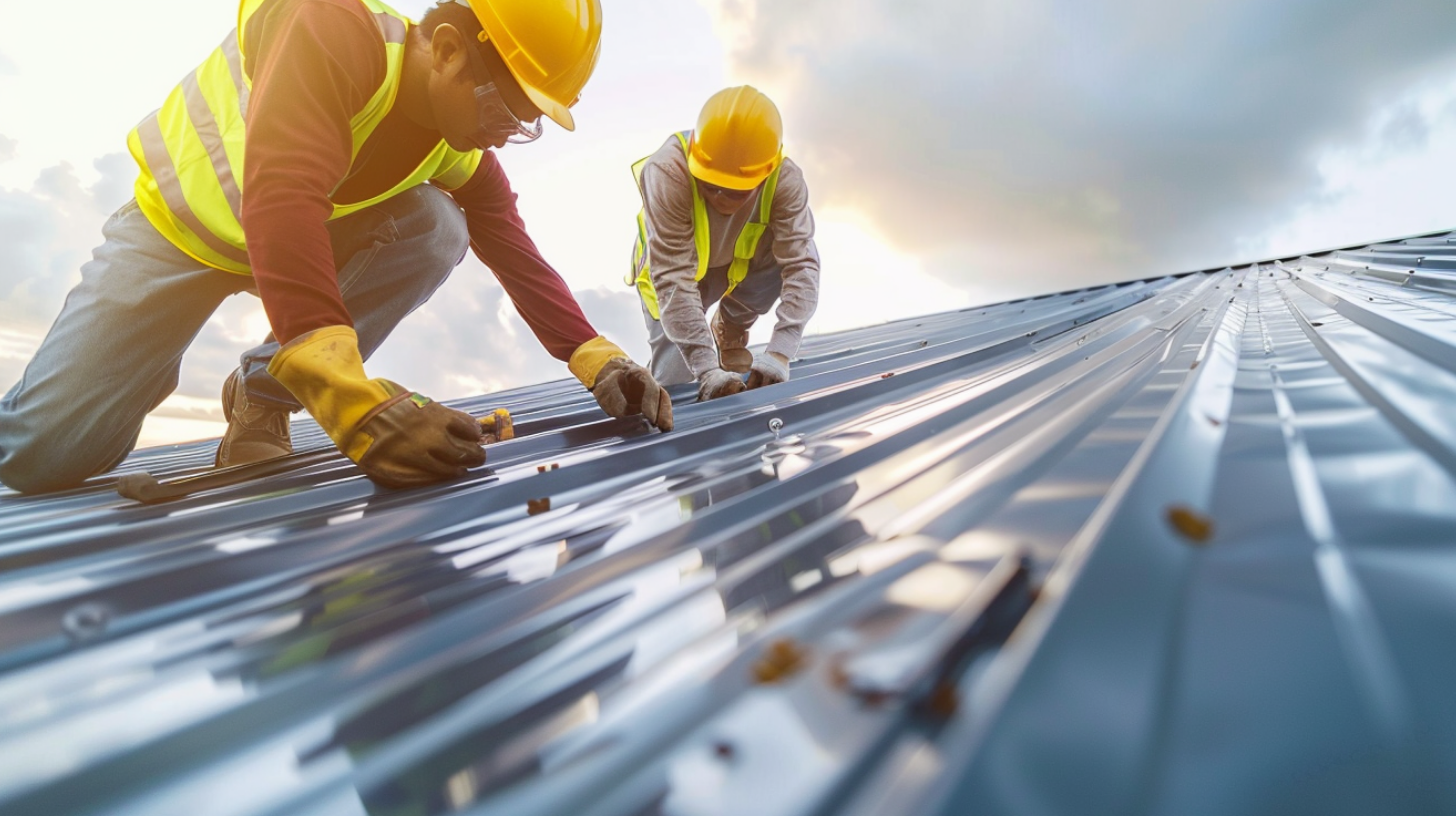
(496, 118)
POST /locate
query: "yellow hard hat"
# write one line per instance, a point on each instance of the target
(550, 47)
(739, 139)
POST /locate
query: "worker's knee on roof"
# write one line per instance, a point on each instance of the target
(39, 454)
(31, 470)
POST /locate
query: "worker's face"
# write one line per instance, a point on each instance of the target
(723, 199)
(477, 103)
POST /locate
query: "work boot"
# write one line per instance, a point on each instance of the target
(732, 340)
(254, 432)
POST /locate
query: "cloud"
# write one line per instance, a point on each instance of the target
(1385, 184)
(46, 234)
(468, 339)
(1050, 143)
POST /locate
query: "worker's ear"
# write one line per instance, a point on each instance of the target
(447, 54)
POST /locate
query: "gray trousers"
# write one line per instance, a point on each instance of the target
(115, 351)
(753, 297)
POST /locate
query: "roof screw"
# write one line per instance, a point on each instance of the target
(723, 749)
(87, 621)
(774, 426)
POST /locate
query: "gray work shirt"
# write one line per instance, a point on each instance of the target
(787, 247)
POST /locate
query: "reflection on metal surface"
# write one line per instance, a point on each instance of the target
(966, 587)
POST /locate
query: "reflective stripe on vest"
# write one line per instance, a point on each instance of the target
(191, 150)
(743, 249)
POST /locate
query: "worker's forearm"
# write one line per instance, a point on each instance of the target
(798, 300)
(293, 267)
(684, 321)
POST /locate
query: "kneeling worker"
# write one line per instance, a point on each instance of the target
(725, 219)
(335, 158)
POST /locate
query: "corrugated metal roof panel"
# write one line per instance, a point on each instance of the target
(1174, 546)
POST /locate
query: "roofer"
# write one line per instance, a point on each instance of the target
(340, 205)
(725, 218)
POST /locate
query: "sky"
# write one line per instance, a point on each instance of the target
(958, 152)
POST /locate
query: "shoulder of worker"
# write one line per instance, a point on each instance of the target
(668, 161)
(666, 182)
(284, 7)
(792, 189)
(325, 15)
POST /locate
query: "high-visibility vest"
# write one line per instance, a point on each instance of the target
(191, 149)
(743, 249)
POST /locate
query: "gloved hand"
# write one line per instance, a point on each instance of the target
(397, 437)
(622, 387)
(769, 368)
(716, 383)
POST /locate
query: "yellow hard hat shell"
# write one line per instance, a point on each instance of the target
(550, 46)
(739, 139)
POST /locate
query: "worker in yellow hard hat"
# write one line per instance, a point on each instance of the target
(335, 158)
(725, 219)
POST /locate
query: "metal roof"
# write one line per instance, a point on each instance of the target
(1176, 546)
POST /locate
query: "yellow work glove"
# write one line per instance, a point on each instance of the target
(621, 387)
(397, 437)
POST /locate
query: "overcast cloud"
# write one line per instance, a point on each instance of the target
(1052, 143)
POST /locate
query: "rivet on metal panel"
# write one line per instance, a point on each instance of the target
(782, 659)
(774, 426)
(1190, 524)
(87, 621)
(536, 507)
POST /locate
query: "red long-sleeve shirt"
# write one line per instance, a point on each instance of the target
(314, 64)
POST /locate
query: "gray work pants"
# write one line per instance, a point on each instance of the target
(753, 297)
(115, 351)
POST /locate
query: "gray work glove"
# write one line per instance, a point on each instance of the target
(769, 368)
(716, 383)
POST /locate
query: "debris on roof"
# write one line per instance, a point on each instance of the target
(1176, 546)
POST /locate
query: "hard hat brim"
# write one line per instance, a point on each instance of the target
(729, 181)
(555, 111)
